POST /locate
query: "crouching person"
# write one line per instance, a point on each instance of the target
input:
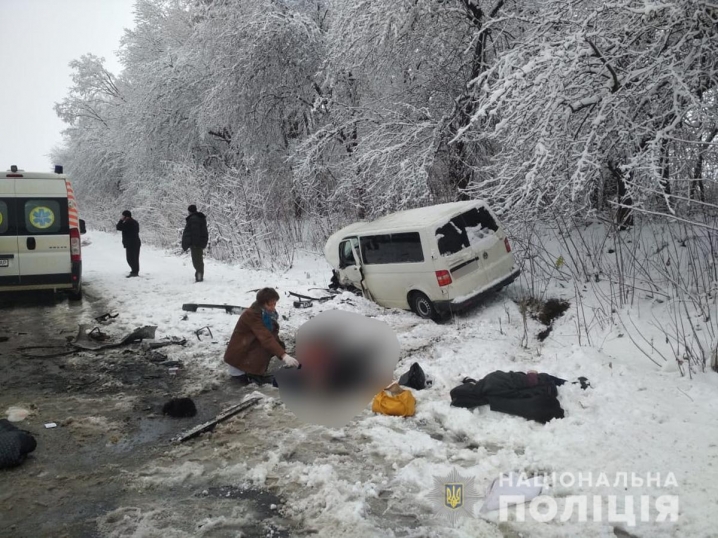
(255, 341)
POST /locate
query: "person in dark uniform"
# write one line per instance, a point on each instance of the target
(195, 238)
(130, 229)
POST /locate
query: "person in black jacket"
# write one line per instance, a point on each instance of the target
(195, 239)
(130, 229)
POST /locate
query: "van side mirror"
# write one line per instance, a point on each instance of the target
(83, 229)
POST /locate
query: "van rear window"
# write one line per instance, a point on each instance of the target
(4, 217)
(45, 216)
(392, 248)
(461, 231)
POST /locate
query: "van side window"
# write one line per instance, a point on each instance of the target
(45, 216)
(346, 257)
(392, 248)
(4, 217)
(454, 237)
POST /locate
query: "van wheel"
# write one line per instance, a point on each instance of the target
(422, 306)
(76, 295)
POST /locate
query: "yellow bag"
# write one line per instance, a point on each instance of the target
(400, 403)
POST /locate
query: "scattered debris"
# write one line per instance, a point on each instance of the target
(85, 341)
(230, 309)
(308, 298)
(173, 341)
(180, 408)
(16, 414)
(302, 304)
(157, 357)
(4, 338)
(50, 425)
(200, 331)
(105, 317)
(210, 424)
(97, 335)
(82, 339)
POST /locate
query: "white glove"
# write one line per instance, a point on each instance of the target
(289, 360)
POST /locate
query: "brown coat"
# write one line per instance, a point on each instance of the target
(252, 345)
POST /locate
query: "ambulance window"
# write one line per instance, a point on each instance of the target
(4, 217)
(42, 216)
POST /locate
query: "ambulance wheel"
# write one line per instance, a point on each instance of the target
(76, 294)
(422, 306)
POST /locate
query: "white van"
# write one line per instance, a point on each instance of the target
(432, 260)
(39, 233)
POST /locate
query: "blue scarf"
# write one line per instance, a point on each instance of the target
(269, 318)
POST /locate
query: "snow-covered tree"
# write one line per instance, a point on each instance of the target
(598, 99)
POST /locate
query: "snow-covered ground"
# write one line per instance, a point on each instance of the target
(375, 476)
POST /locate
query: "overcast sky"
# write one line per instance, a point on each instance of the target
(38, 40)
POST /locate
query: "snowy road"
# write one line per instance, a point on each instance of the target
(374, 477)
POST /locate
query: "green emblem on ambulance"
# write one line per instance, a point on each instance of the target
(42, 217)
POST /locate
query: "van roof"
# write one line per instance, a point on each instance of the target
(413, 218)
(31, 175)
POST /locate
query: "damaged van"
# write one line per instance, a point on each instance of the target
(432, 260)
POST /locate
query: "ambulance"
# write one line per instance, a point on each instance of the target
(40, 232)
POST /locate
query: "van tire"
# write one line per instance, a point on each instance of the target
(76, 295)
(422, 306)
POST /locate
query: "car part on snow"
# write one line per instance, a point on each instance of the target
(308, 298)
(173, 341)
(85, 341)
(97, 335)
(200, 331)
(180, 408)
(210, 424)
(302, 304)
(415, 378)
(105, 317)
(394, 401)
(328, 290)
(15, 444)
(230, 309)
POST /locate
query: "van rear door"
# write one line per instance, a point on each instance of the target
(472, 246)
(9, 260)
(43, 232)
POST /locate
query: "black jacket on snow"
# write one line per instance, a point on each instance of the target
(195, 231)
(531, 396)
(130, 229)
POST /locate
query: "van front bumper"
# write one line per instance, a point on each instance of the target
(462, 303)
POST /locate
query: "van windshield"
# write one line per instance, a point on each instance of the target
(465, 230)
